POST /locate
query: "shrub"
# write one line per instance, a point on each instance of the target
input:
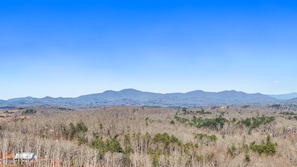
(202, 112)
(232, 150)
(29, 111)
(180, 119)
(212, 123)
(75, 131)
(288, 113)
(109, 145)
(212, 138)
(255, 122)
(113, 146)
(165, 138)
(129, 150)
(155, 156)
(99, 145)
(81, 127)
(267, 147)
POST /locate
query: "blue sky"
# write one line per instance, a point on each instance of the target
(73, 47)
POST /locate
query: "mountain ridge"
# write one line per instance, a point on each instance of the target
(135, 97)
(287, 96)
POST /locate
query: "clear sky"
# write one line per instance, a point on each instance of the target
(73, 47)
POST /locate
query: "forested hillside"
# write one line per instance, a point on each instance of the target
(151, 136)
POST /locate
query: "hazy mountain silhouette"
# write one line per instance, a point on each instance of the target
(291, 101)
(135, 97)
(285, 96)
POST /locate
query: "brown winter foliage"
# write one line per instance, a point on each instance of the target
(125, 136)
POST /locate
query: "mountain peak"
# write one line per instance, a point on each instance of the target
(129, 89)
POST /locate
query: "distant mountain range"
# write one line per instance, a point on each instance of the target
(285, 96)
(139, 98)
